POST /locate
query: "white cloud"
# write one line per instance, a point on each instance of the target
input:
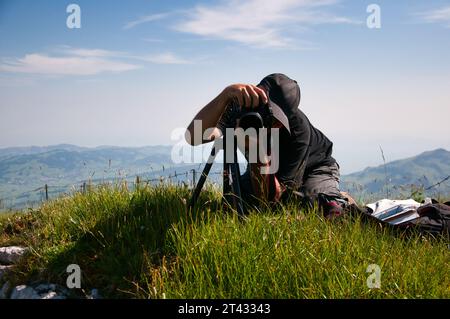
(80, 61)
(164, 58)
(262, 23)
(149, 18)
(92, 52)
(74, 62)
(441, 15)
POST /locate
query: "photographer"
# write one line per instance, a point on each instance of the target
(306, 167)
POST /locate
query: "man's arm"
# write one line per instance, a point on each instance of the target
(247, 95)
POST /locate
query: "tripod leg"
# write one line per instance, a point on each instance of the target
(202, 179)
(236, 185)
(237, 196)
(231, 187)
(227, 200)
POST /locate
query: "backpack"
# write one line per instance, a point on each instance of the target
(434, 219)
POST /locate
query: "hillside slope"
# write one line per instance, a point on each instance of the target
(403, 176)
(23, 170)
(144, 243)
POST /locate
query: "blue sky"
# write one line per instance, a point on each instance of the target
(136, 70)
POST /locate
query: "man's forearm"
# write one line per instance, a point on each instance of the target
(209, 115)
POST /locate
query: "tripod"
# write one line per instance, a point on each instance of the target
(231, 178)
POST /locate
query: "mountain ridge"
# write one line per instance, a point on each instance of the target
(408, 174)
(25, 168)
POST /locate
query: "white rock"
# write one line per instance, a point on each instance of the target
(10, 255)
(48, 295)
(24, 292)
(52, 295)
(45, 289)
(4, 290)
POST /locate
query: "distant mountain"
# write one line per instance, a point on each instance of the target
(70, 161)
(403, 176)
(30, 150)
(14, 151)
(25, 170)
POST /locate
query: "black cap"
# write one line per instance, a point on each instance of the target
(284, 96)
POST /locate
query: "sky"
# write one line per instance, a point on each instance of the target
(137, 70)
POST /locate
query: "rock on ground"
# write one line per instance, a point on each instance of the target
(43, 291)
(10, 255)
(24, 292)
(49, 289)
(4, 270)
(52, 295)
(4, 290)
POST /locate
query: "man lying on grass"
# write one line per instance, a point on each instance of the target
(306, 167)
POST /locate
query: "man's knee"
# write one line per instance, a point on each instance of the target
(324, 180)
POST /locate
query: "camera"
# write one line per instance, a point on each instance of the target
(257, 118)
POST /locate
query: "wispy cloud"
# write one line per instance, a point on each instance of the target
(80, 61)
(262, 23)
(441, 15)
(145, 19)
(73, 62)
(87, 53)
(164, 58)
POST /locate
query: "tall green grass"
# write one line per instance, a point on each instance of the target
(144, 243)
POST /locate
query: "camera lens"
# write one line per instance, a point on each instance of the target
(251, 119)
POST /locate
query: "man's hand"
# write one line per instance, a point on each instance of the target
(246, 95)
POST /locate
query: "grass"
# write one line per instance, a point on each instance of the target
(144, 243)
